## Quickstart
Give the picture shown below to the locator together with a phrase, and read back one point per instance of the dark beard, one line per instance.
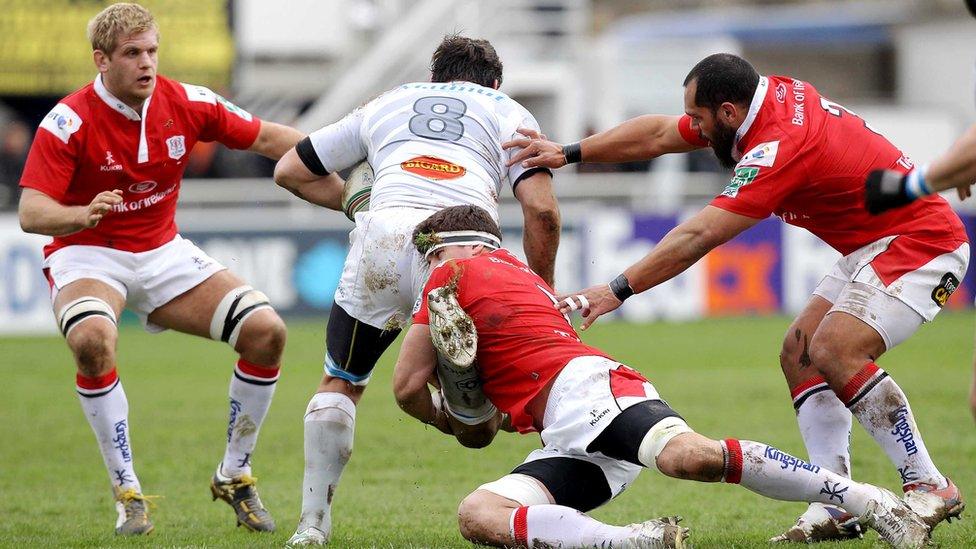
(722, 143)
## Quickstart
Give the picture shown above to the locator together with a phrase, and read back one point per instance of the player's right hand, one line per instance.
(100, 206)
(594, 301)
(884, 190)
(537, 151)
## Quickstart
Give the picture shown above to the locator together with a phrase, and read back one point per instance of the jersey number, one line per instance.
(837, 110)
(438, 118)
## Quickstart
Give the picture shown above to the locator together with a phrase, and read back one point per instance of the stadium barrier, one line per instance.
(769, 269)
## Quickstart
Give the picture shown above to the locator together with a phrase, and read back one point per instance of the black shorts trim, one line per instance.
(622, 438)
(572, 482)
(354, 347)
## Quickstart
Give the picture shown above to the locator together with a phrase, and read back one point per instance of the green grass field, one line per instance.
(403, 484)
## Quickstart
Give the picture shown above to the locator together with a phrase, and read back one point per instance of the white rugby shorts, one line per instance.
(898, 309)
(383, 273)
(147, 280)
(589, 393)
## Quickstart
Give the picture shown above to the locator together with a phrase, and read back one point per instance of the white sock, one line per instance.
(251, 389)
(556, 526)
(882, 409)
(107, 411)
(330, 420)
(778, 475)
(825, 425)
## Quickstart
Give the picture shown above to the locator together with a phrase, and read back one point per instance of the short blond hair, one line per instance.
(118, 21)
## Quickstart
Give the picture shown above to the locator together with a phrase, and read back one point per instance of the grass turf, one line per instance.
(403, 484)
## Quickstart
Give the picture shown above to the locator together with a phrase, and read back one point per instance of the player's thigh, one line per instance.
(582, 482)
(794, 357)
(353, 347)
(192, 311)
(850, 337)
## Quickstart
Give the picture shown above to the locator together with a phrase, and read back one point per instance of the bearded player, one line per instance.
(803, 158)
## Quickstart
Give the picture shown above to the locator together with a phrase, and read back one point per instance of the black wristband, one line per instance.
(620, 287)
(573, 153)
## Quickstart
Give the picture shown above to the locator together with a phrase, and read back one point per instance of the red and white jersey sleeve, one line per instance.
(221, 120)
(51, 161)
(523, 341)
(689, 134)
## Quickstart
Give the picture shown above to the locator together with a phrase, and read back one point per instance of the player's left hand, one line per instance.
(591, 302)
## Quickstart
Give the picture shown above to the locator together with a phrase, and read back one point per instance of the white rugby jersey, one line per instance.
(431, 145)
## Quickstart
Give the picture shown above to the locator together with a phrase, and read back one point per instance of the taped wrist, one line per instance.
(620, 287)
(915, 184)
(573, 153)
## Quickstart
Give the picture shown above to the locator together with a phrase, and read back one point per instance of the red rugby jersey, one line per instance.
(523, 341)
(804, 158)
(92, 142)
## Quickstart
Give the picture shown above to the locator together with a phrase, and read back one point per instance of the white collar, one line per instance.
(757, 101)
(117, 104)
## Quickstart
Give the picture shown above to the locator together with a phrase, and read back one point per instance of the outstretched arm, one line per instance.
(956, 168)
(540, 214)
(274, 140)
(639, 138)
(678, 250)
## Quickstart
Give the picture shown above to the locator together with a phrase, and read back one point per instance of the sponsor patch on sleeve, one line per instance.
(232, 108)
(740, 178)
(62, 121)
(200, 94)
(763, 154)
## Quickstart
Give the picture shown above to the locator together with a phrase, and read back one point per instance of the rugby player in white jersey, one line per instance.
(431, 145)
(102, 178)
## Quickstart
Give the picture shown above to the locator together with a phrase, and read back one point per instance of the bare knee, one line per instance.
(478, 514)
(330, 384)
(263, 338)
(93, 344)
(691, 456)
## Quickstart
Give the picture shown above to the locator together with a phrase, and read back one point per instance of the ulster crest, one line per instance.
(176, 146)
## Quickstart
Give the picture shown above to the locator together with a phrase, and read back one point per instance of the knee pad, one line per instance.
(658, 437)
(232, 310)
(520, 488)
(82, 309)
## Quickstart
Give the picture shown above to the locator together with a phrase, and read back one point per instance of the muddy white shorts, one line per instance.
(586, 397)
(894, 284)
(384, 273)
(147, 280)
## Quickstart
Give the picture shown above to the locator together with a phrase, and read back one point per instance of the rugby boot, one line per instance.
(308, 536)
(934, 505)
(895, 521)
(133, 509)
(822, 522)
(661, 533)
(241, 494)
(451, 329)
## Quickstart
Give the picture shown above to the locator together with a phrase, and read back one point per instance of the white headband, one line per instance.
(463, 238)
